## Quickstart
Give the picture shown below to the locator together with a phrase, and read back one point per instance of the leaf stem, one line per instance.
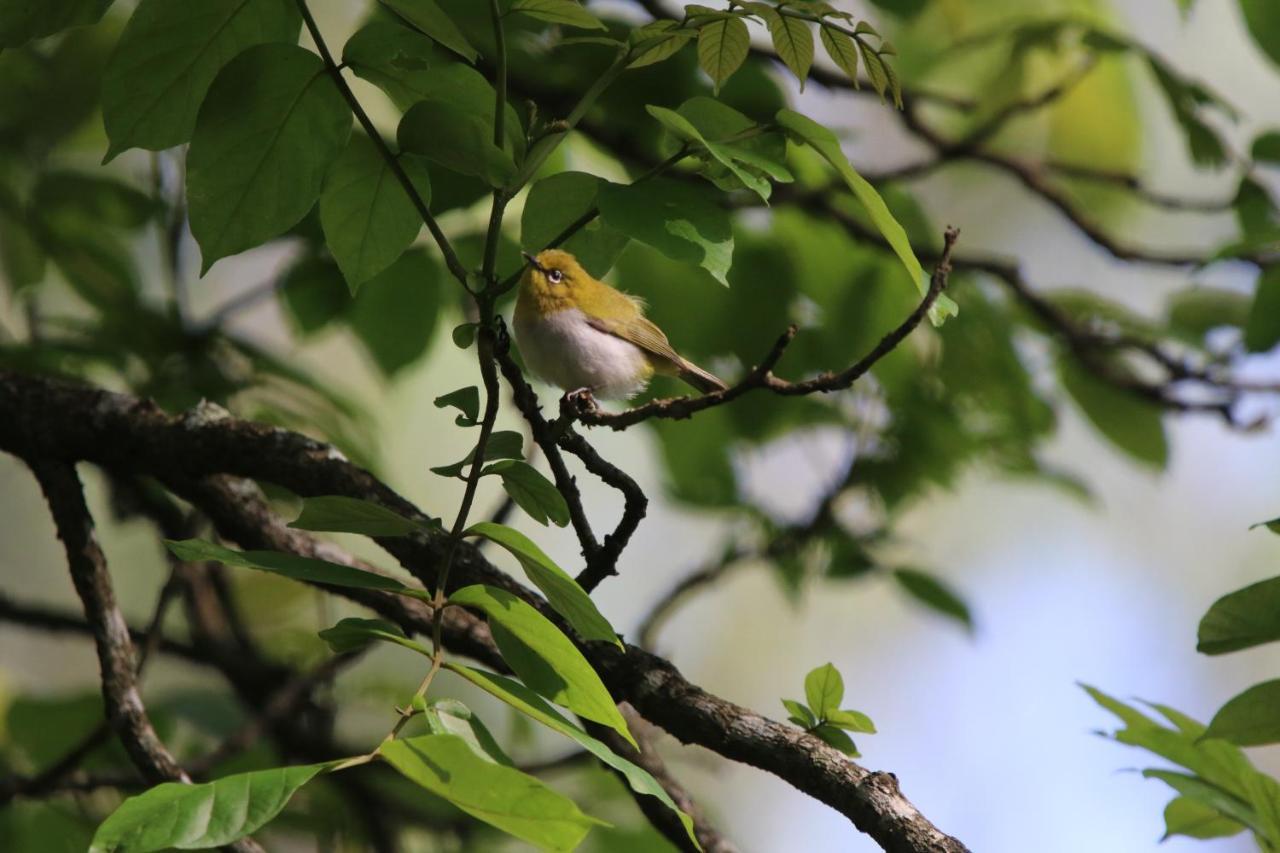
(446, 249)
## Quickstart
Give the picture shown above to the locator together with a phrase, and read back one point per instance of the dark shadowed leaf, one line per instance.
(268, 130)
(1132, 424)
(1263, 20)
(428, 17)
(930, 591)
(396, 311)
(833, 736)
(353, 634)
(555, 203)
(24, 20)
(566, 12)
(368, 218)
(168, 55)
(1262, 329)
(680, 221)
(502, 444)
(341, 514)
(290, 565)
(314, 294)
(531, 491)
(465, 400)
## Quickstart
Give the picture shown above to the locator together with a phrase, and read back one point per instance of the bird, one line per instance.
(585, 337)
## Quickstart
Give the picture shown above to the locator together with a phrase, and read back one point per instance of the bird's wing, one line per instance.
(642, 332)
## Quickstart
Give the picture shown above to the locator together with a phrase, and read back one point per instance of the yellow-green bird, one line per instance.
(581, 334)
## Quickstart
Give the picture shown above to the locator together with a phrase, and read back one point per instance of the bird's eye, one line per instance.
(555, 276)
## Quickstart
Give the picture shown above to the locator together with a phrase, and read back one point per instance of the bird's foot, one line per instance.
(576, 402)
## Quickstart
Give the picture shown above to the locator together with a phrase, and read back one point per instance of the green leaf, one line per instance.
(824, 142)
(514, 802)
(722, 48)
(841, 49)
(657, 41)
(101, 199)
(854, 721)
(724, 154)
(1263, 20)
(555, 203)
(1266, 147)
(793, 41)
(457, 137)
(429, 18)
(290, 565)
(833, 736)
(565, 12)
(527, 702)
(268, 130)
(1190, 817)
(353, 634)
(933, 593)
(824, 689)
(201, 816)
(314, 294)
(800, 713)
(368, 218)
(451, 717)
(1242, 619)
(502, 444)
(341, 514)
(544, 658)
(168, 55)
(1194, 312)
(562, 591)
(397, 59)
(1209, 795)
(531, 491)
(24, 20)
(1250, 719)
(395, 313)
(680, 221)
(1132, 424)
(466, 400)
(1262, 329)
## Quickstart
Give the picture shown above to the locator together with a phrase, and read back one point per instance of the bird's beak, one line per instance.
(531, 260)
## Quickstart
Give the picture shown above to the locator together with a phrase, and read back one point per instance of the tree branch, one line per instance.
(45, 416)
(88, 565)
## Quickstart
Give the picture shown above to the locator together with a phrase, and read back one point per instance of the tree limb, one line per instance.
(46, 416)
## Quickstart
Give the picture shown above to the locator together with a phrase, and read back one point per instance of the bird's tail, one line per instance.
(699, 378)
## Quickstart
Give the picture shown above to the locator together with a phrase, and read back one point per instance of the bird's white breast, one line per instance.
(567, 351)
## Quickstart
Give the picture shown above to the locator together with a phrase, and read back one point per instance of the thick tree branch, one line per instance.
(45, 416)
(88, 565)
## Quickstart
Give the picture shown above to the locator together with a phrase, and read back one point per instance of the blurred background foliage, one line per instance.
(101, 281)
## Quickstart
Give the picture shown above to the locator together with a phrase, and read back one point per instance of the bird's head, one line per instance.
(555, 273)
